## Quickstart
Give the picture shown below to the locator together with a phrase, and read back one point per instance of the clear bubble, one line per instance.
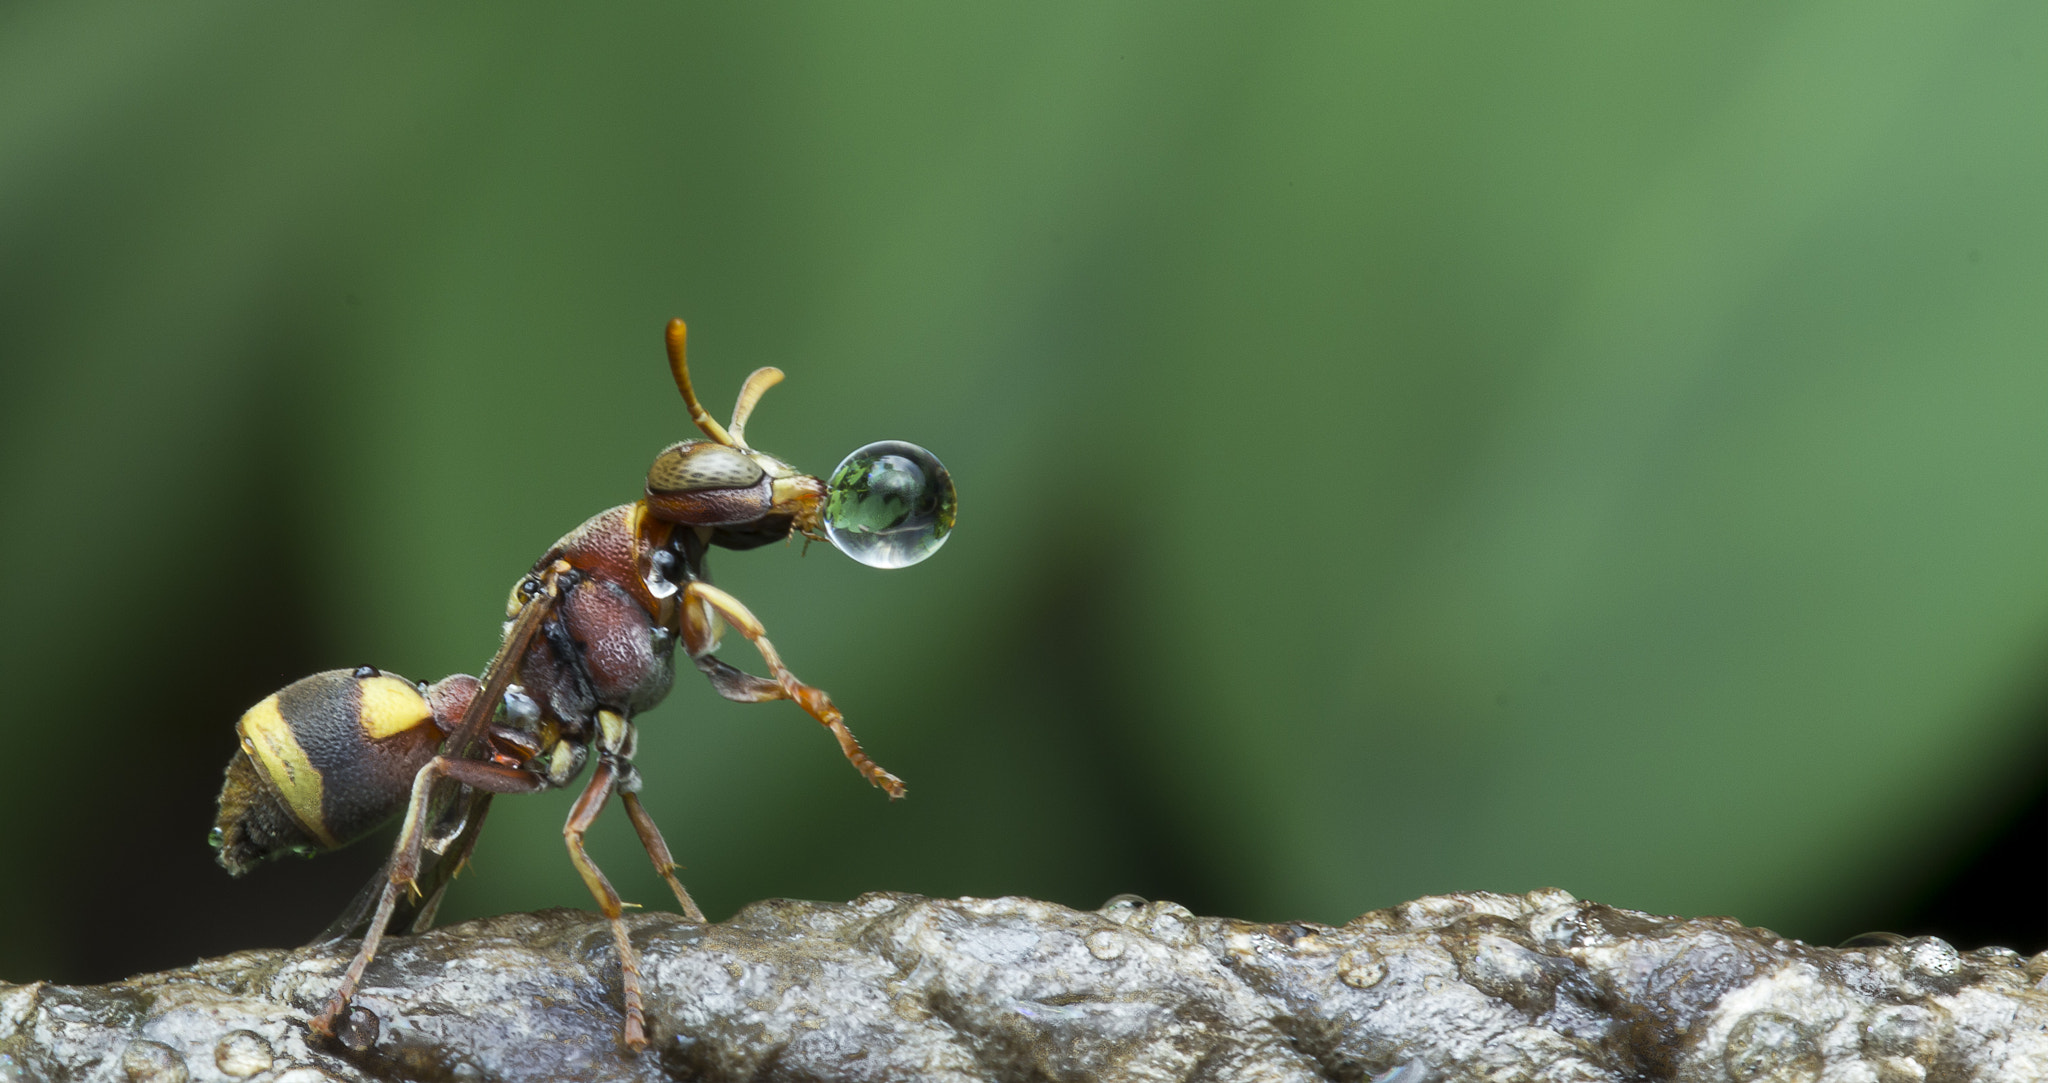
(216, 838)
(661, 568)
(889, 505)
(521, 709)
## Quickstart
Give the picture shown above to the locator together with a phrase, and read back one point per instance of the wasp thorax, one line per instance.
(323, 762)
(706, 484)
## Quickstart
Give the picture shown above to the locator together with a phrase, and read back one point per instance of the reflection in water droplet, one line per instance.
(889, 505)
(216, 838)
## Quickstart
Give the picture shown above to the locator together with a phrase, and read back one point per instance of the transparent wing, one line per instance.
(455, 813)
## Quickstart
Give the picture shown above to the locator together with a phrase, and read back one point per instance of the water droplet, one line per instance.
(1105, 944)
(889, 505)
(216, 838)
(660, 577)
(145, 1061)
(364, 673)
(520, 708)
(358, 1030)
(1927, 957)
(242, 1054)
(1171, 922)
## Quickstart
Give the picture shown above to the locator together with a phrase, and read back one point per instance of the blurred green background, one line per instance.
(1401, 450)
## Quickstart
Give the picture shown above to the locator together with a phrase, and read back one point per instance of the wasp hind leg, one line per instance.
(405, 863)
(657, 852)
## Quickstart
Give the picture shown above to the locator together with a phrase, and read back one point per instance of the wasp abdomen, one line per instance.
(323, 762)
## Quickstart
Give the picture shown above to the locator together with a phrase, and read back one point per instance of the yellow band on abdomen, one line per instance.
(269, 739)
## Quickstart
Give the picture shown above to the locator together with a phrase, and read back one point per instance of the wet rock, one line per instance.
(1542, 987)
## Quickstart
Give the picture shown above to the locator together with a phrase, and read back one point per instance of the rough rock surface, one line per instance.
(1540, 987)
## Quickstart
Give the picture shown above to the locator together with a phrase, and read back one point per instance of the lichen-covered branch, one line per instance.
(1540, 987)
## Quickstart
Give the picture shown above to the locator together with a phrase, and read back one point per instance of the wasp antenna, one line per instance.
(679, 366)
(757, 385)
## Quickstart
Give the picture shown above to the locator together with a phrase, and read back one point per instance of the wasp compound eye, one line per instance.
(889, 505)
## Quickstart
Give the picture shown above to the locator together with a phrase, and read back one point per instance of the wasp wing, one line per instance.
(414, 914)
(455, 813)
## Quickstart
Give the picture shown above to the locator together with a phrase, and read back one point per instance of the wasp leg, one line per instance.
(581, 816)
(814, 701)
(737, 684)
(657, 852)
(405, 862)
(423, 916)
(700, 638)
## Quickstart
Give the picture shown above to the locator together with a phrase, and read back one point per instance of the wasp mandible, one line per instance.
(589, 643)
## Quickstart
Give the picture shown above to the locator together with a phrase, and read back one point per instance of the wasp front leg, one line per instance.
(814, 701)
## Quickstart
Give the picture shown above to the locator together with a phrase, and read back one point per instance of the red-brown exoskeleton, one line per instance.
(590, 643)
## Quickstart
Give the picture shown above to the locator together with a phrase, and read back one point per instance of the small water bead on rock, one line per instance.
(889, 505)
(358, 1030)
(145, 1061)
(242, 1054)
(1932, 959)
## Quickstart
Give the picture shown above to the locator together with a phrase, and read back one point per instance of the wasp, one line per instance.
(590, 642)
